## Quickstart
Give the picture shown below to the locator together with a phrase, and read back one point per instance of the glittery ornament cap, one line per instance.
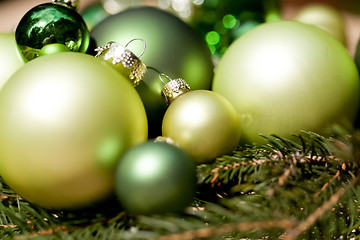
(118, 54)
(173, 89)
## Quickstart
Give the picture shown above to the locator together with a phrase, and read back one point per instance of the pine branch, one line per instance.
(228, 228)
(303, 188)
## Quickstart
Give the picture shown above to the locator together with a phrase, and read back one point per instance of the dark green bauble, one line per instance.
(155, 178)
(172, 47)
(51, 24)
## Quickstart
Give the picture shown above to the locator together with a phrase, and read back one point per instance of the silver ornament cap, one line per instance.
(122, 56)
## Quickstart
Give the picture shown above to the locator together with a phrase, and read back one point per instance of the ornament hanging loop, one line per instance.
(140, 39)
(163, 74)
(73, 4)
(121, 54)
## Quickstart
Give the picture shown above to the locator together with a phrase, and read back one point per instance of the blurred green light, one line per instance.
(229, 21)
(212, 38)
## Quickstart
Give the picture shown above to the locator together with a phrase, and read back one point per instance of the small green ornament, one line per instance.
(51, 23)
(155, 178)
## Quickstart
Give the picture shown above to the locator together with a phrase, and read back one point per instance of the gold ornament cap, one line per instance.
(73, 4)
(173, 89)
(122, 56)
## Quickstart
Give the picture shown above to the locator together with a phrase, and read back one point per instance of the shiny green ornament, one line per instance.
(173, 47)
(65, 120)
(155, 178)
(10, 59)
(51, 23)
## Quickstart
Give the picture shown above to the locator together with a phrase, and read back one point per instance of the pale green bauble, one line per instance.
(286, 76)
(10, 59)
(172, 47)
(203, 123)
(325, 17)
(65, 120)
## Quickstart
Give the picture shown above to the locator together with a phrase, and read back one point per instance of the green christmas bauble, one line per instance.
(203, 123)
(286, 76)
(155, 178)
(65, 120)
(51, 23)
(10, 60)
(172, 47)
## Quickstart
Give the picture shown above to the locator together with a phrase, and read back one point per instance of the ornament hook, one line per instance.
(121, 54)
(134, 39)
(163, 74)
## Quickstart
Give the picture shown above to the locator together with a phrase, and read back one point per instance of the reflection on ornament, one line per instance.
(118, 53)
(49, 24)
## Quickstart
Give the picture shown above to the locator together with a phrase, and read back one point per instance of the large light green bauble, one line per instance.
(65, 120)
(10, 60)
(172, 47)
(283, 77)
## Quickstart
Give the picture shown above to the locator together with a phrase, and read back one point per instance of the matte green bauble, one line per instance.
(203, 123)
(172, 47)
(155, 178)
(285, 76)
(65, 120)
(10, 60)
(50, 23)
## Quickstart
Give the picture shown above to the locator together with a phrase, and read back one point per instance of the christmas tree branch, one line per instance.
(228, 228)
(294, 233)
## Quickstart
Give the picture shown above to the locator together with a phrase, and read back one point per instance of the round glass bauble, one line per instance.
(50, 23)
(172, 47)
(286, 76)
(155, 178)
(10, 60)
(203, 123)
(65, 120)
